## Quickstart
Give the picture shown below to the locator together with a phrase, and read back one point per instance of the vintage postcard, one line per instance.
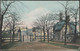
(36, 25)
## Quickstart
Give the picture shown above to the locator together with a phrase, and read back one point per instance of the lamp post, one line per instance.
(19, 34)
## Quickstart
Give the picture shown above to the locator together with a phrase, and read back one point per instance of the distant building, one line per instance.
(59, 30)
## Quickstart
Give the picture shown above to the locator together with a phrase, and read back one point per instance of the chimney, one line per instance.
(60, 15)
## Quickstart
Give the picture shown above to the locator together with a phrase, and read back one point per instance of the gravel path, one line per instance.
(37, 46)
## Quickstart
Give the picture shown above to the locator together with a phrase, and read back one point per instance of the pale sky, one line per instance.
(30, 10)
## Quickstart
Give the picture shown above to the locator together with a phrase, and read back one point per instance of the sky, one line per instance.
(30, 10)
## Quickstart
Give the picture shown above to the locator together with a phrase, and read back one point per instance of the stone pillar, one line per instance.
(19, 35)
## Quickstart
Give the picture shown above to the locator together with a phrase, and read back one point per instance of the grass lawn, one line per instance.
(7, 45)
(70, 42)
(62, 45)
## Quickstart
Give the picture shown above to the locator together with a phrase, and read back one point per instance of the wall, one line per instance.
(62, 33)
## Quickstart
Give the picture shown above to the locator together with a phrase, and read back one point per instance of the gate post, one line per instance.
(19, 34)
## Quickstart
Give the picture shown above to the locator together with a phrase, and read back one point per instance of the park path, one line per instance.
(36, 46)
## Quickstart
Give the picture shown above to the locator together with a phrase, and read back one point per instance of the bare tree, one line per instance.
(7, 24)
(69, 11)
(44, 22)
(10, 23)
(4, 10)
(14, 19)
(41, 23)
(66, 15)
(74, 14)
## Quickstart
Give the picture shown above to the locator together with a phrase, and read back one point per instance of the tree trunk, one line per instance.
(13, 33)
(75, 35)
(23, 38)
(53, 34)
(10, 36)
(44, 32)
(13, 36)
(65, 27)
(1, 20)
(1, 23)
(79, 15)
(35, 35)
(48, 35)
(30, 38)
(41, 35)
